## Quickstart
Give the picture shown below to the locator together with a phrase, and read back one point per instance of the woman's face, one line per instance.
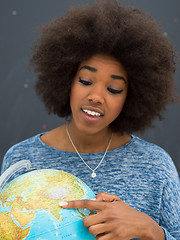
(98, 93)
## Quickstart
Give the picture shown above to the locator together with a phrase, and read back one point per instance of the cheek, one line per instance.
(76, 90)
(73, 95)
(118, 106)
(73, 90)
(76, 97)
(118, 109)
(72, 100)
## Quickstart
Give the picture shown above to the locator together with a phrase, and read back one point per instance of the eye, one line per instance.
(114, 91)
(85, 82)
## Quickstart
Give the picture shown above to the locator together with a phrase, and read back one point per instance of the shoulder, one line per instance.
(141, 146)
(155, 157)
(144, 158)
(20, 151)
(24, 145)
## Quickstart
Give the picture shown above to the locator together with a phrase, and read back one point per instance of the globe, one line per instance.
(29, 207)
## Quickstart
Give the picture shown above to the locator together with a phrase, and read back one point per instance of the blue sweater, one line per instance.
(142, 174)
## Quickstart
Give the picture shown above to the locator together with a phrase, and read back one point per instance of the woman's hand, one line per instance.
(115, 220)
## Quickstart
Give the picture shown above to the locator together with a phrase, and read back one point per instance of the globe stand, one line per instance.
(13, 169)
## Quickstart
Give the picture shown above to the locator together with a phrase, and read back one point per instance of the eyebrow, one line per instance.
(113, 76)
(118, 77)
(92, 69)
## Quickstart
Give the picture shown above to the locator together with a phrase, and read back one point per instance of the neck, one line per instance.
(89, 143)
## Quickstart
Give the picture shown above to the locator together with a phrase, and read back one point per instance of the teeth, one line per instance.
(92, 113)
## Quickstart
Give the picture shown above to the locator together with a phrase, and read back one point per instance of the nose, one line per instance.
(96, 96)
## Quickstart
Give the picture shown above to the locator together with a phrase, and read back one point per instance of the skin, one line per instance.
(102, 77)
(101, 85)
(115, 220)
(97, 84)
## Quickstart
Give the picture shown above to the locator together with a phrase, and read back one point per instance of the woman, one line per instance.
(110, 70)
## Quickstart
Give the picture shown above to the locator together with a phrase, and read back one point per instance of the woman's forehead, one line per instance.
(98, 62)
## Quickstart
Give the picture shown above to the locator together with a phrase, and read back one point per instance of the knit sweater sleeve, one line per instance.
(168, 235)
(170, 210)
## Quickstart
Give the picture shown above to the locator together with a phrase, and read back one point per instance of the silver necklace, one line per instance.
(93, 174)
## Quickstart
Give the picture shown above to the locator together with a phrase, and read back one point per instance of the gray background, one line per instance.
(22, 115)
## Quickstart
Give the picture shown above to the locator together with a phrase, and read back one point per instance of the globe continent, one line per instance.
(29, 207)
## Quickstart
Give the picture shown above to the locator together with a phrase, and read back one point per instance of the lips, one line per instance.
(94, 112)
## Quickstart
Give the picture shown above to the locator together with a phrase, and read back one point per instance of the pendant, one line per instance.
(93, 175)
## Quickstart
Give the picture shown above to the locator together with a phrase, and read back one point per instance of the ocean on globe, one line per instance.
(29, 207)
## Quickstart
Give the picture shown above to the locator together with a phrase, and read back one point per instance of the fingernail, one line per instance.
(93, 199)
(63, 204)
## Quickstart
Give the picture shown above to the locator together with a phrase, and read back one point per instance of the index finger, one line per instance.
(89, 204)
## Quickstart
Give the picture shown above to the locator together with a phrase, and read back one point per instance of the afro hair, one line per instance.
(128, 34)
